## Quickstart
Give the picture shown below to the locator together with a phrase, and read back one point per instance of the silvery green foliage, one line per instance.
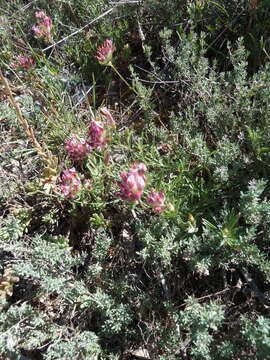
(257, 333)
(254, 207)
(81, 346)
(159, 243)
(93, 301)
(114, 315)
(101, 246)
(201, 323)
(24, 327)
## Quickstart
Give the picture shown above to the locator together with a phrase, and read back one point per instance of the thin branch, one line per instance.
(210, 295)
(81, 29)
(125, 2)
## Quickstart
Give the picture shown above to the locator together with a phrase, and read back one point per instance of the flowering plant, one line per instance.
(24, 62)
(157, 201)
(77, 148)
(44, 28)
(132, 183)
(98, 130)
(105, 52)
(97, 136)
(106, 114)
(70, 183)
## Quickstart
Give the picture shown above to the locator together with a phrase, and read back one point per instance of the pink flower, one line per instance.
(38, 32)
(40, 14)
(77, 148)
(97, 135)
(104, 112)
(47, 23)
(105, 52)
(44, 28)
(24, 62)
(157, 201)
(132, 183)
(70, 183)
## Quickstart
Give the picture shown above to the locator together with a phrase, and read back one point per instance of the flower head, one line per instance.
(47, 23)
(132, 183)
(70, 183)
(97, 135)
(24, 62)
(157, 201)
(44, 28)
(38, 31)
(40, 14)
(105, 52)
(77, 148)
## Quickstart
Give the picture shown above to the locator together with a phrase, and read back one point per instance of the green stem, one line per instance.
(123, 79)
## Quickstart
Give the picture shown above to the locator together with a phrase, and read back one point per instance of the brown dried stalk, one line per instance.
(26, 127)
(7, 280)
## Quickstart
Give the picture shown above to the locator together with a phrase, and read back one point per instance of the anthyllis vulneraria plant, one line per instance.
(23, 62)
(44, 28)
(104, 57)
(77, 148)
(106, 115)
(132, 183)
(105, 53)
(98, 136)
(71, 183)
(157, 201)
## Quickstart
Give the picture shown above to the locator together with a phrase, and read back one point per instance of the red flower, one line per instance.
(105, 52)
(77, 148)
(70, 183)
(132, 183)
(40, 14)
(157, 201)
(97, 136)
(44, 28)
(24, 62)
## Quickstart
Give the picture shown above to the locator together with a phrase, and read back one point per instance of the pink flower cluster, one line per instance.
(157, 201)
(77, 148)
(24, 62)
(105, 52)
(44, 28)
(132, 183)
(97, 138)
(70, 183)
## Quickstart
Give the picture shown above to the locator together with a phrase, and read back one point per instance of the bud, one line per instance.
(40, 14)
(96, 136)
(87, 184)
(104, 112)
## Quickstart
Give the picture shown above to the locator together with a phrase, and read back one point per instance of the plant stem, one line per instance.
(123, 79)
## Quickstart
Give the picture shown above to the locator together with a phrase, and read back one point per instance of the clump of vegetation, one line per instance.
(134, 192)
